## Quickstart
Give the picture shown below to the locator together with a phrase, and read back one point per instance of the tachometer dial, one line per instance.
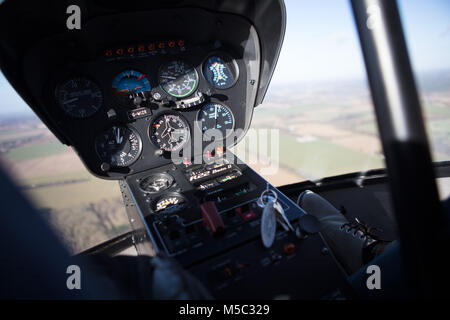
(216, 116)
(220, 71)
(132, 87)
(119, 146)
(79, 97)
(178, 79)
(169, 132)
(156, 182)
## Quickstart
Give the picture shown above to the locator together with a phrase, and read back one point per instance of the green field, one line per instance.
(35, 151)
(368, 127)
(62, 196)
(320, 158)
(8, 135)
(66, 176)
(434, 109)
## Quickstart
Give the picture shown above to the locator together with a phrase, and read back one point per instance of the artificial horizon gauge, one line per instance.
(119, 146)
(178, 79)
(132, 87)
(216, 116)
(169, 132)
(156, 182)
(79, 97)
(221, 71)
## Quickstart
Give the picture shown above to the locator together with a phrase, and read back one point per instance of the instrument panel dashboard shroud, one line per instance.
(78, 132)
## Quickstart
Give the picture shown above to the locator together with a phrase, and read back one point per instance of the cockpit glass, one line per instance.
(317, 119)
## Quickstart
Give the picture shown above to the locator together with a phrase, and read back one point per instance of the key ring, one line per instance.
(267, 194)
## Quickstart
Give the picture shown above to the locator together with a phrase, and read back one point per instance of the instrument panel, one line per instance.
(135, 104)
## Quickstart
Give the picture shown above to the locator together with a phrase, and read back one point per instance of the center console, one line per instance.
(208, 217)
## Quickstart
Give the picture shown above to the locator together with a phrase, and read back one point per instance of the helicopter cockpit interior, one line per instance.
(154, 94)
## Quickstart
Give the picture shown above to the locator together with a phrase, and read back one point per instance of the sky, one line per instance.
(321, 43)
(321, 40)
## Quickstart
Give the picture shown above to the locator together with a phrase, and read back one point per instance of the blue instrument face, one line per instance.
(220, 74)
(130, 84)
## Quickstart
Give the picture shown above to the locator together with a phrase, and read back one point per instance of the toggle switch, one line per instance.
(212, 218)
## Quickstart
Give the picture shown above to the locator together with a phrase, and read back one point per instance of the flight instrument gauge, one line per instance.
(169, 132)
(216, 116)
(178, 79)
(79, 97)
(119, 146)
(156, 182)
(169, 203)
(220, 71)
(132, 87)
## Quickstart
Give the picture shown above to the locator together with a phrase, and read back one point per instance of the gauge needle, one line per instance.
(215, 116)
(168, 77)
(166, 129)
(70, 101)
(118, 137)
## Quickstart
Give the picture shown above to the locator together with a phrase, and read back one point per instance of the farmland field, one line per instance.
(83, 209)
(35, 151)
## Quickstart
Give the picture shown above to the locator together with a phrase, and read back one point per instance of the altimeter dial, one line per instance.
(119, 146)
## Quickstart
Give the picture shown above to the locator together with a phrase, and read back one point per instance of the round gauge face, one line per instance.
(156, 183)
(119, 146)
(131, 86)
(169, 132)
(178, 79)
(220, 71)
(79, 97)
(216, 116)
(169, 203)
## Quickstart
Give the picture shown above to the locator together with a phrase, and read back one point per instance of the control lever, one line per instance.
(212, 218)
(307, 224)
